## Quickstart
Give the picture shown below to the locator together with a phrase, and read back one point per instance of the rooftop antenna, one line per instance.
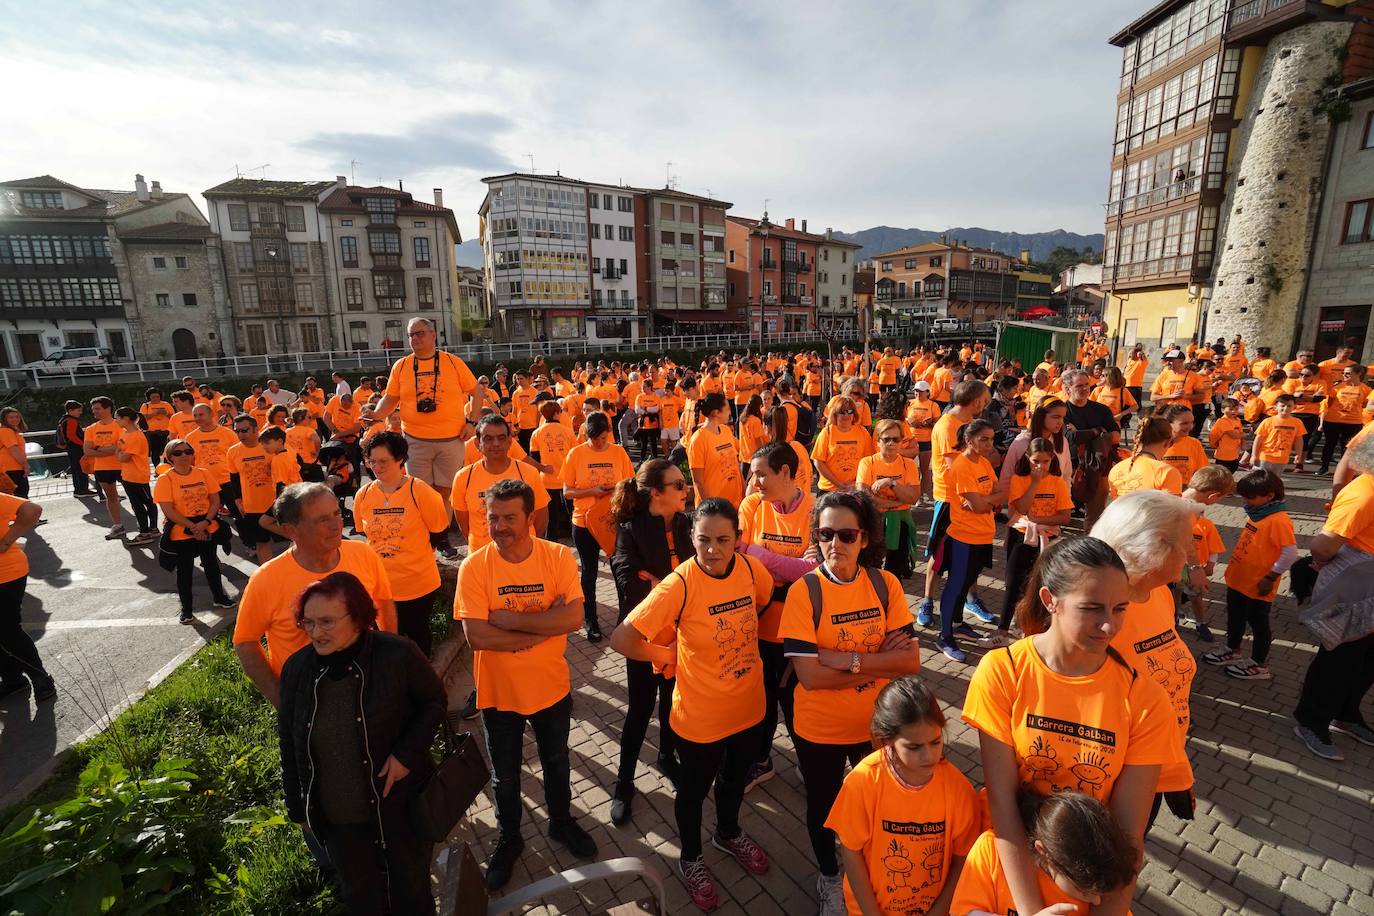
(765, 207)
(257, 168)
(530, 157)
(668, 180)
(353, 171)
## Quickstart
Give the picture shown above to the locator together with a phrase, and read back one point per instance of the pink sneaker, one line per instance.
(700, 887)
(746, 852)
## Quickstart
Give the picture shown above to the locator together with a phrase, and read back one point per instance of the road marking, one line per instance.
(102, 624)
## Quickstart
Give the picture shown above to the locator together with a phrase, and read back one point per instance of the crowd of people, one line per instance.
(762, 516)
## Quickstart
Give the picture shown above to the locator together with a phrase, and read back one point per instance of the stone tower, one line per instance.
(1273, 194)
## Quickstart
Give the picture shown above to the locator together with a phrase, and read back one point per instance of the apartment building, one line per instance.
(685, 267)
(469, 313)
(835, 300)
(390, 258)
(615, 215)
(136, 271)
(276, 264)
(946, 279)
(772, 271)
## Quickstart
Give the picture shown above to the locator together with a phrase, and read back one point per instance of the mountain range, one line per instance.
(887, 238)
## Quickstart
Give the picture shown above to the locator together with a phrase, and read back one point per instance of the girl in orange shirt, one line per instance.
(1147, 469)
(894, 481)
(751, 433)
(1185, 453)
(1226, 435)
(1116, 396)
(1342, 412)
(974, 496)
(590, 472)
(134, 474)
(13, 459)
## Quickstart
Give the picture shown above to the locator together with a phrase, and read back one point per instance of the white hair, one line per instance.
(1146, 528)
(1362, 455)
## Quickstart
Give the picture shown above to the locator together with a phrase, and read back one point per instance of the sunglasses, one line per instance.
(675, 484)
(845, 413)
(846, 535)
(889, 438)
(180, 452)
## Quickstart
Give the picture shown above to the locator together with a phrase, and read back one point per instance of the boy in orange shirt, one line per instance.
(1278, 437)
(1226, 435)
(1266, 549)
(1208, 486)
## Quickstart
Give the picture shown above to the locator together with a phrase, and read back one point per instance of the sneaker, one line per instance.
(925, 613)
(225, 601)
(448, 551)
(115, 533)
(469, 710)
(759, 773)
(1315, 744)
(951, 651)
(974, 606)
(830, 895)
(700, 887)
(503, 859)
(1248, 671)
(1222, 657)
(966, 631)
(621, 806)
(144, 537)
(746, 852)
(996, 639)
(1357, 730)
(187, 618)
(573, 838)
(593, 631)
(1204, 632)
(44, 689)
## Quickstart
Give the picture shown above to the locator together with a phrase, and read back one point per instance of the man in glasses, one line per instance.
(250, 480)
(468, 489)
(1093, 434)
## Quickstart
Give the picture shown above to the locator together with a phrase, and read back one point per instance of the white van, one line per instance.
(946, 325)
(73, 359)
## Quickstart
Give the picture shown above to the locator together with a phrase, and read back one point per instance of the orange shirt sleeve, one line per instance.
(1352, 514)
(987, 705)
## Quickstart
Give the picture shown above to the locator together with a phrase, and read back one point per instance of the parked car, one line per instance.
(946, 325)
(73, 359)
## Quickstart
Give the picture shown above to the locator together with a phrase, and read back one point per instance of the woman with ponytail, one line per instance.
(777, 432)
(653, 536)
(1147, 469)
(1061, 711)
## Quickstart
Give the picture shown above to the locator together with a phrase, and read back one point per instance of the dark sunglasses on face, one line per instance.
(889, 438)
(675, 484)
(846, 535)
(845, 413)
(181, 451)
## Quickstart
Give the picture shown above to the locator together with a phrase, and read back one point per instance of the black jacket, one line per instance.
(402, 703)
(642, 544)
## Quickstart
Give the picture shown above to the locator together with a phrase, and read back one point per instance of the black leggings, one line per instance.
(412, 620)
(1242, 610)
(822, 768)
(588, 556)
(1336, 683)
(18, 654)
(1309, 437)
(1020, 558)
(1336, 436)
(21, 483)
(898, 561)
(187, 553)
(141, 499)
(560, 519)
(1182, 804)
(724, 763)
(775, 696)
(646, 690)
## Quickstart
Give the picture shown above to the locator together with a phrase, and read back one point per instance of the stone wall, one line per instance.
(1275, 177)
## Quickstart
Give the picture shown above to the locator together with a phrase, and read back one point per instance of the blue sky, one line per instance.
(993, 113)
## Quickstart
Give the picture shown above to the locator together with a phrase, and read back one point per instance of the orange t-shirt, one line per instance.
(157, 415)
(1263, 368)
(584, 467)
(983, 886)
(102, 435)
(1255, 553)
(917, 411)
(189, 494)
(1149, 640)
(806, 471)
(286, 468)
(1186, 456)
(852, 620)
(944, 439)
(971, 475)
(398, 526)
(1051, 497)
(907, 836)
(941, 380)
(1070, 734)
(411, 381)
(9, 438)
(1207, 541)
(1345, 403)
(303, 440)
(13, 561)
(535, 678)
(1352, 514)
(267, 606)
(717, 457)
(841, 452)
(1117, 400)
(134, 444)
(180, 423)
(902, 470)
(1172, 387)
(746, 386)
(1276, 438)
(212, 451)
(787, 534)
(887, 370)
(254, 469)
(719, 687)
(752, 437)
(1225, 437)
(1135, 372)
(1144, 472)
(470, 490)
(552, 442)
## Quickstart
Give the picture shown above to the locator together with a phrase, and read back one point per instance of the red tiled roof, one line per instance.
(167, 232)
(347, 200)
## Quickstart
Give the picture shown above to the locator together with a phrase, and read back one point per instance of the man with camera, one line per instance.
(432, 389)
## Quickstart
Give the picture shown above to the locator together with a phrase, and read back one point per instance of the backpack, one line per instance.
(806, 423)
(62, 440)
(813, 593)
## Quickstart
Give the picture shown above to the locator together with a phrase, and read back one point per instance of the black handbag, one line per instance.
(452, 788)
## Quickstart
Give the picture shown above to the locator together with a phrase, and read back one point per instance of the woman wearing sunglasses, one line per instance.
(840, 445)
(894, 481)
(701, 621)
(189, 500)
(847, 629)
(974, 495)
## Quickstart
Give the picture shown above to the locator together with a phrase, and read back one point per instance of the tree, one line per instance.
(1063, 257)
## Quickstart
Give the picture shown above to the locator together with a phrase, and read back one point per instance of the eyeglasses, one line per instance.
(675, 484)
(889, 439)
(180, 452)
(846, 535)
(323, 624)
(845, 413)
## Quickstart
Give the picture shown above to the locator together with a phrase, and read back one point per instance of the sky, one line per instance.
(957, 113)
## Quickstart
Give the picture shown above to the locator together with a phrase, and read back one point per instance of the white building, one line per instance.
(613, 215)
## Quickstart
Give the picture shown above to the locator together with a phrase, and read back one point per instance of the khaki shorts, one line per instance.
(435, 461)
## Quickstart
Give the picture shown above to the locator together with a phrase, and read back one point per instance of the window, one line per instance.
(41, 200)
(605, 201)
(357, 335)
(305, 297)
(937, 261)
(188, 300)
(687, 240)
(310, 337)
(238, 217)
(384, 243)
(686, 214)
(248, 297)
(730, 256)
(268, 215)
(596, 230)
(623, 267)
(1368, 141)
(768, 287)
(295, 219)
(844, 302)
(732, 290)
(825, 254)
(182, 263)
(389, 290)
(687, 295)
(910, 264)
(625, 204)
(825, 302)
(887, 267)
(667, 239)
(687, 268)
(596, 265)
(667, 295)
(300, 258)
(353, 294)
(610, 232)
(381, 210)
(842, 279)
(345, 222)
(1357, 222)
(421, 252)
(348, 250)
(165, 300)
(627, 233)
(424, 292)
(667, 212)
(592, 201)
(159, 263)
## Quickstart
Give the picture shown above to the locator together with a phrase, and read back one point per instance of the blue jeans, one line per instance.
(505, 748)
(963, 568)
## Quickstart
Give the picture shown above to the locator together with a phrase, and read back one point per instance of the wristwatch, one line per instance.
(854, 663)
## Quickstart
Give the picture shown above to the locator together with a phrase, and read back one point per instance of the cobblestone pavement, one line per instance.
(1277, 830)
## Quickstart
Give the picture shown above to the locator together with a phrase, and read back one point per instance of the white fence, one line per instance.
(355, 361)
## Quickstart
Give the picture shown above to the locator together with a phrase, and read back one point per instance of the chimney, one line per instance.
(803, 225)
(791, 223)
(140, 188)
(400, 184)
(340, 182)
(157, 190)
(438, 197)
(1025, 255)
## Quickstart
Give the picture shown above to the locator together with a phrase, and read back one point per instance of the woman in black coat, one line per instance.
(654, 536)
(359, 711)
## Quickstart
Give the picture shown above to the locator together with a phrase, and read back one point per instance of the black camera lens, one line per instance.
(425, 405)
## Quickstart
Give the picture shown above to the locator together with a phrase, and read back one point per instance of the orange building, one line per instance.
(946, 280)
(770, 271)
